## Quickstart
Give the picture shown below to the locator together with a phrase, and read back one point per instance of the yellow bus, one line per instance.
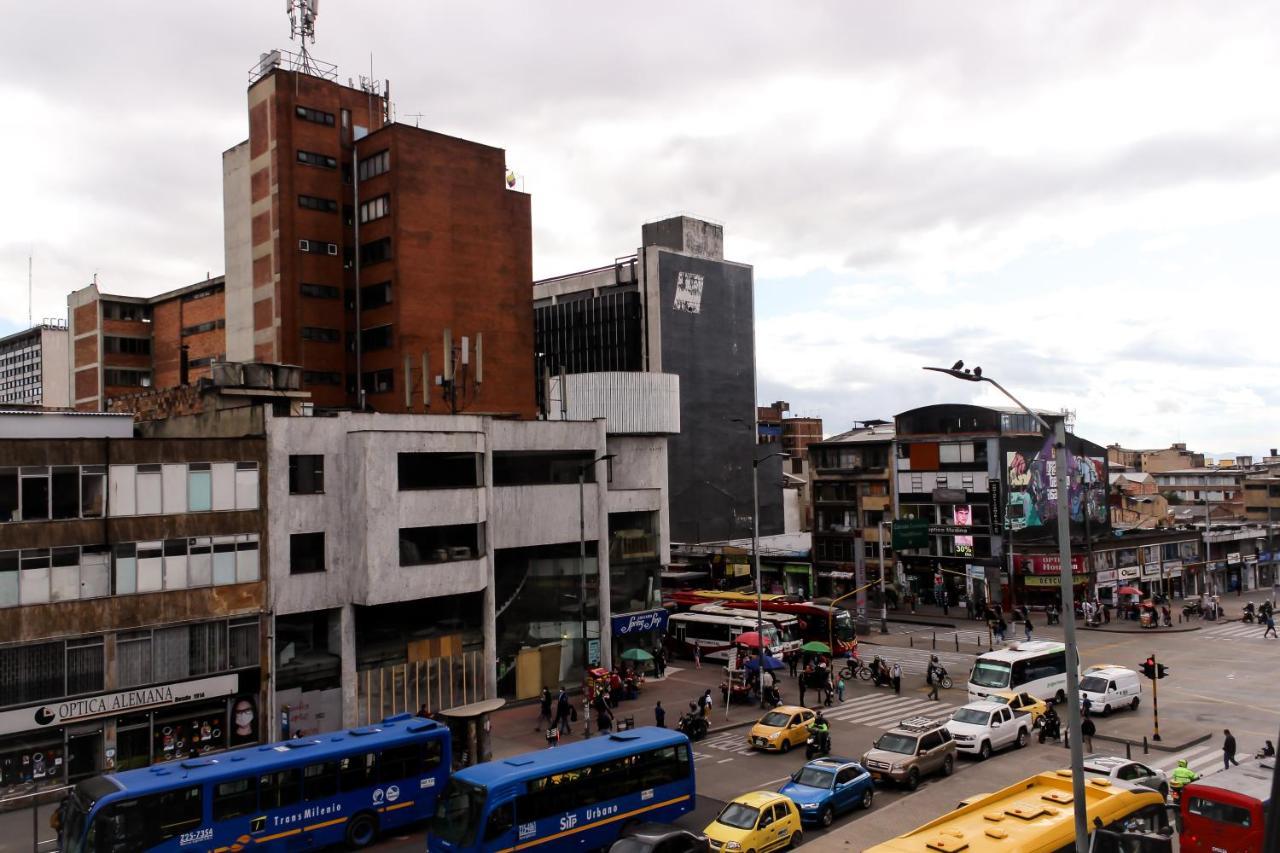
(1036, 816)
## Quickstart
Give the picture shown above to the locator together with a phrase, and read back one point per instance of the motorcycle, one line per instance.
(1192, 608)
(1050, 729)
(818, 743)
(944, 680)
(1248, 615)
(692, 725)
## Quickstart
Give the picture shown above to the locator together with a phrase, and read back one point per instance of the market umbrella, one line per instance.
(1128, 590)
(816, 647)
(750, 639)
(636, 654)
(770, 663)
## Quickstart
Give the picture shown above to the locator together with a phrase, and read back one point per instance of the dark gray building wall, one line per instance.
(706, 339)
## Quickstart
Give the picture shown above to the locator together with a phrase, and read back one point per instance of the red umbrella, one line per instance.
(750, 639)
(1128, 590)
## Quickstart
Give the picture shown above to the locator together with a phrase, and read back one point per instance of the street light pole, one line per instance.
(1066, 579)
(884, 603)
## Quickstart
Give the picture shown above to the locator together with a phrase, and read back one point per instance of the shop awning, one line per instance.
(797, 569)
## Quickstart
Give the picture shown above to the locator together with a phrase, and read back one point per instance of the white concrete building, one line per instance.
(33, 366)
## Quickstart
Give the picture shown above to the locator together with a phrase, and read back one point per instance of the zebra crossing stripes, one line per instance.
(1205, 760)
(878, 711)
(916, 661)
(1235, 631)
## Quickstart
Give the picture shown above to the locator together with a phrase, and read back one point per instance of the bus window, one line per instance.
(234, 798)
(987, 673)
(279, 789)
(500, 821)
(320, 781)
(458, 813)
(402, 762)
(1221, 812)
(146, 821)
(358, 771)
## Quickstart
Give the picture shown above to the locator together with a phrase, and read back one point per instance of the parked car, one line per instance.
(659, 838)
(981, 728)
(911, 750)
(1127, 770)
(828, 786)
(761, 821)
(1022, 702)
(780, 729)
(1110, 688)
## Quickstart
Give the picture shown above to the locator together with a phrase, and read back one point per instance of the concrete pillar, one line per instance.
(350, 691)
(489, 614)
(602, 552)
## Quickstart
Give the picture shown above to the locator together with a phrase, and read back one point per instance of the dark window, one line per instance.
(358, 771)
(375, 164)
(127, 378)
(8, 494)
(605, 780)
(126, 311)
(315, 333)
(282, 788)
(148, 821)
(375, 296)
(306, 474)
(188, 331)
(318, 247)
(1220, 812)
(375, 252)
(235, 798)
(539, 468)
(501, 819)
(439, 544)
(202, 294)
(320, 781)
(319, 377)
(318, 116)
(127, 346)
(376, 338)
(375, 208)
(379, 381)
(320, 291)
(406, 762)
(324, 205)
(306, 553)
(313, 159)
(35, 497)
(66, 492)
(438, 470)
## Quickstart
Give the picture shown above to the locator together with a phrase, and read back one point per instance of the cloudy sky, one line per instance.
(1082, 198)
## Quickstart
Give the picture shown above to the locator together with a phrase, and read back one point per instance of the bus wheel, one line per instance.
(1059, 698)
(362, 831)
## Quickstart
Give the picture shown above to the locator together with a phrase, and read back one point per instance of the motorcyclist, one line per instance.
(820, 729)
(1051, 725)
(877, 670)
(1181, 775)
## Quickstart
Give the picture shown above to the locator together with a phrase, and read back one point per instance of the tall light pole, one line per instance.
(884, 603)
(755, 554)
(582, 559)
(1066, 578)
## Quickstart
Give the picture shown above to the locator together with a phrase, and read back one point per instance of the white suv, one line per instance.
(1127, 770)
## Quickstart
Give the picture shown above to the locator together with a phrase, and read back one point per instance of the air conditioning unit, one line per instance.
(440, 554)
(304, 245)
(460, 552)
(333, 249)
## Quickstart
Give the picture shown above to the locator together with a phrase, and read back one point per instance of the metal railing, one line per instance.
(290, 61)
(24, 820)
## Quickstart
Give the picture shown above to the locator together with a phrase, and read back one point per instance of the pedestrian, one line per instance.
(1228, 749)
(793, 661)
(897, 678)
(707, 703)
(563, 711)
(544, 709)
(659, 715)
(1087, 731)
(604, 721)
(1271, 626)
(945, 602)
(697, 657)
(1026, 624)
(1106, 612)
(1086, 705)
(660, 661)
(1001, 628)
(802, 685)
(932, 679)
(424, 713)
(840, 689)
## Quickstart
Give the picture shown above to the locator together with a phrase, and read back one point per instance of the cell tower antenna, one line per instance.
(302, 27)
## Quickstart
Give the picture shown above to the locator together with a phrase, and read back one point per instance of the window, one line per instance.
(438, 470)
(439, 544)
(500, 822)
(375, 164)
(318, 116)
(311, 158)
(306, 474)
(242, 642)
(188, 331)
(375, 208)
(35, 493)
(92, 491)
(320, 291)
(1220, 812)
(133, 658)
(375, 252)
(321, 335)
(379, 381)
(66, 492)
(126, 346)
(317, 247)
(375, 296)
(279, 789)
(376, 338)
(126, 311)
(320, 377)
(235, 798)
(541, 468)
(358, 771)
(126, 378)
(311, 202)
(320, 781)
(406, 762)
(306, 553)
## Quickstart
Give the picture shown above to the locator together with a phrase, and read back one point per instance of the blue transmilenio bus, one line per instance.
(567, 798)
(303, 793)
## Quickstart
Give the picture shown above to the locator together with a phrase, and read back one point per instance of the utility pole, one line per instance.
(1155, 697)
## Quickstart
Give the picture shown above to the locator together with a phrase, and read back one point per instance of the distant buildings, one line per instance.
(33, 367)
(1170, 458)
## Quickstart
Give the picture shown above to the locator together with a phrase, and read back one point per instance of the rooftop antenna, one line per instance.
(415, 117)
(302, 26)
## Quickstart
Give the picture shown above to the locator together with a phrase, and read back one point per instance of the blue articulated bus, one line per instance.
(572, 797)
(295, 794)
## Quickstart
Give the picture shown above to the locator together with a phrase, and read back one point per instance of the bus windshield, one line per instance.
(76, 808)
(844, 625)
(458, 812)
(988, 673)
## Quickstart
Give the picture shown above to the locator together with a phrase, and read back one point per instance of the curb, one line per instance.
(1144, 631)
(1163, 747)
(726, 727)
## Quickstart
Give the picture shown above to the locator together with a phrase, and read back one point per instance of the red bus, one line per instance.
(1227, 811)
(815, 619)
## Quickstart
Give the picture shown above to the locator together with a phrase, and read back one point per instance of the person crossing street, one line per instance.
(1228, 749)
(933, 677)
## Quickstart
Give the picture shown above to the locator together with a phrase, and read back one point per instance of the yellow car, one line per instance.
(755, 823)
(780, 729)
(1022, 702)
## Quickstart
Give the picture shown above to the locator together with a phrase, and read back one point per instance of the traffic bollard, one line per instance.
(1145, 748)
(957, 636)
(935, 641)
(1128, 753)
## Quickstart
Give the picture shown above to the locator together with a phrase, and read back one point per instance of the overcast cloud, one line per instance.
(1082, 198)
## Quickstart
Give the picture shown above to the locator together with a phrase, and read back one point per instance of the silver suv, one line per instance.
(913, 749)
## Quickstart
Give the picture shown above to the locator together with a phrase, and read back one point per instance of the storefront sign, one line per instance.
(1050, 580)
(910, 533)
(1172, 568)
(1233, 558)
(639, 622)
(1046, 564)
(1108, 576)
(997, 507)
(978, 572)
(124, 702)
(953, 530)
(1151, 570)
(1128, 572)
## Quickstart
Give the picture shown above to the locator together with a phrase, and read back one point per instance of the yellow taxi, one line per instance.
(1022, 702)
(780, 729)
(757, 822)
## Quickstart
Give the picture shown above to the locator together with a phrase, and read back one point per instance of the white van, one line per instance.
(1110, 688)
(1038, 667)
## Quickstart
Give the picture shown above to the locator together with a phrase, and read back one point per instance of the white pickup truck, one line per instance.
(980, 728)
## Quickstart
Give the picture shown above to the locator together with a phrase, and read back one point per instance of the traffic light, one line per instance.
(1161, 670)
(1153, 670)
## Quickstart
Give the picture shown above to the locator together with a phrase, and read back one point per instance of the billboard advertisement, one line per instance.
(1031, 475)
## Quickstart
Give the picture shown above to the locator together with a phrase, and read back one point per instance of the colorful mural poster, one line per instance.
(1033, 491)
(963, 516)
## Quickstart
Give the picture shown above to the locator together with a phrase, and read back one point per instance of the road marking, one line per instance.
(723, 760)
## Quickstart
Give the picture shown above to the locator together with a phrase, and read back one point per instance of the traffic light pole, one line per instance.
(1155, 696)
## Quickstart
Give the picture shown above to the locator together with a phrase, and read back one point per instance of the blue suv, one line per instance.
(829, 785)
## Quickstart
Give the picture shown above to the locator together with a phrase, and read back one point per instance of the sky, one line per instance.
(1084, 199)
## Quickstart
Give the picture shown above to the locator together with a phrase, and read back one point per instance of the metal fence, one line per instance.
(24, 821)
(437, 683)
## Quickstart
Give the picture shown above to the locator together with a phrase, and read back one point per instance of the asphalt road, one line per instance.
(1221, 676)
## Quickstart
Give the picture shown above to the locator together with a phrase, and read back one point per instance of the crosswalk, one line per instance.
(916, 661)
(1238, 631)
(1205, 759)
(886, 710)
